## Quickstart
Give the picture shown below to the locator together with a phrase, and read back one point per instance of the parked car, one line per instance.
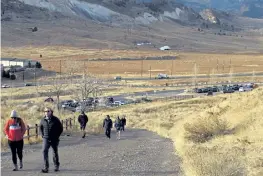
(245, 89)
(210, 93)
(215, 89)
(28, 84)
(5, 86)
(117, 77)
(228, 90)
(162, 76)
(199, 91)
(118, 103)
(110, 100)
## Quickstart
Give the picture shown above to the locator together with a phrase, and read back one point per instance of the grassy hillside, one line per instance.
(213, 135)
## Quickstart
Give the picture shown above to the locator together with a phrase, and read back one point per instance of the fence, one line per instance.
(66, 123)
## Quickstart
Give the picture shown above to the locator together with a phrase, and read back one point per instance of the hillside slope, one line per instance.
(107, 24)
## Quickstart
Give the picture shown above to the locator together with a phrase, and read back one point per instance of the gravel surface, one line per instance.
(138, 152)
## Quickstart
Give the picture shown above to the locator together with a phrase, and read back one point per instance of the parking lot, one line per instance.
(209, 91)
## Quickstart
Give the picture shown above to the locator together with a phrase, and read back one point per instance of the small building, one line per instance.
(7, 62)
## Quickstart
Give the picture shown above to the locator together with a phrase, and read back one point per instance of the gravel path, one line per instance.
(139, 152)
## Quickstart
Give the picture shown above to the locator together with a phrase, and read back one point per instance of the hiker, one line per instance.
(123, 120)
(83, 120)
(118, 125)
(51, 129)
(14, 130)
(107, 125)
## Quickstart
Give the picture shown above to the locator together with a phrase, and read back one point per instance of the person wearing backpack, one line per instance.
(118, 126)
(83, 120)
(15, 129)
(107, 125)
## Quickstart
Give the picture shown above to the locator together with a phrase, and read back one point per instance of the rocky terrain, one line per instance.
(123, 23)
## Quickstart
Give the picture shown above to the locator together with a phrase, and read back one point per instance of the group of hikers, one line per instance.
(119, 125)
(51, 129)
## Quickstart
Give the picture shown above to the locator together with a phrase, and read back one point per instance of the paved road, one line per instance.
(139, 152)
(20, 83)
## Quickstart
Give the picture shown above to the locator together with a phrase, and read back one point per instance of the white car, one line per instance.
(244, 89)
(118, 103)
(5, 86)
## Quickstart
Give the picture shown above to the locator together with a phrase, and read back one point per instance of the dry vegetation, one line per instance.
(61, 52)
(214, 135)
(182, 65)
(218, 135)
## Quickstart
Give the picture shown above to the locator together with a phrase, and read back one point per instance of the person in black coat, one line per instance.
(83, 120)
(123, 123)
(50, 129)
(107, 125)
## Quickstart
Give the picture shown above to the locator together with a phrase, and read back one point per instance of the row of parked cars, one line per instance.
(226, 88)
(89, 102)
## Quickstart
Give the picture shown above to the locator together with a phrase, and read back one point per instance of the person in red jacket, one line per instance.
(15, 130)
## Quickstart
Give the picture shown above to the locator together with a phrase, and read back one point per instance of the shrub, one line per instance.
(202, 161)
(203, 129)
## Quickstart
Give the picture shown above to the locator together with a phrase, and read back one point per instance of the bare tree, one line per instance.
(55, 86)
(230, 75)
(87, 87)
(195, 70)
(212, 77)
(72, 68)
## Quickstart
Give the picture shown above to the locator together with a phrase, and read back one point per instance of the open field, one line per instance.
(211, 134)
(183, 64)
(73, 53)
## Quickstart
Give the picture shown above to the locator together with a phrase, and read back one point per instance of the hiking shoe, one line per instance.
(44, 170)
(56, 169)
(20, 165)
(16, 168)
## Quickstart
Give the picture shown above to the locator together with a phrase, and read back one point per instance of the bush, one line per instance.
(205, 128)
(202, 161)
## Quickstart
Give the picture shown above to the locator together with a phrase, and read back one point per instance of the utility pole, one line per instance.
(172, 67)
(141, 67)
(217, 65)
(60, 67)
(150, 72)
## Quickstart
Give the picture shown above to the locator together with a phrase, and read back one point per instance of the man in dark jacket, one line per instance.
(107, 125)
(83, 120)
(123, 122)
(51, 129)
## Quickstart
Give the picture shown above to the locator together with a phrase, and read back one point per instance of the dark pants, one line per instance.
(16, 149)
(54, 146)
(107, 132)
(82, 127)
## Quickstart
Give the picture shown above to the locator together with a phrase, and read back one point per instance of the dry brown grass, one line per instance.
(235, 147)
(61, 52)
(182, 65)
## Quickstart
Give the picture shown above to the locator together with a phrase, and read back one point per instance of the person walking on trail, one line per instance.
(118, 126)
(14, 130)
(107, 125)
(123, 120)
(51, 129)
(83, 120)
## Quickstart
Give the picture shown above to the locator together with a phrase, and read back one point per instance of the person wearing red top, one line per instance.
(15, 130)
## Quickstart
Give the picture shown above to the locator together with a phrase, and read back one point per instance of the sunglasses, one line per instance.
(47, 111)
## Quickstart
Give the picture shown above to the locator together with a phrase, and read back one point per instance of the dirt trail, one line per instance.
(139, 152)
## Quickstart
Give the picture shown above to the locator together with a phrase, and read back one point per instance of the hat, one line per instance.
(13, 114)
